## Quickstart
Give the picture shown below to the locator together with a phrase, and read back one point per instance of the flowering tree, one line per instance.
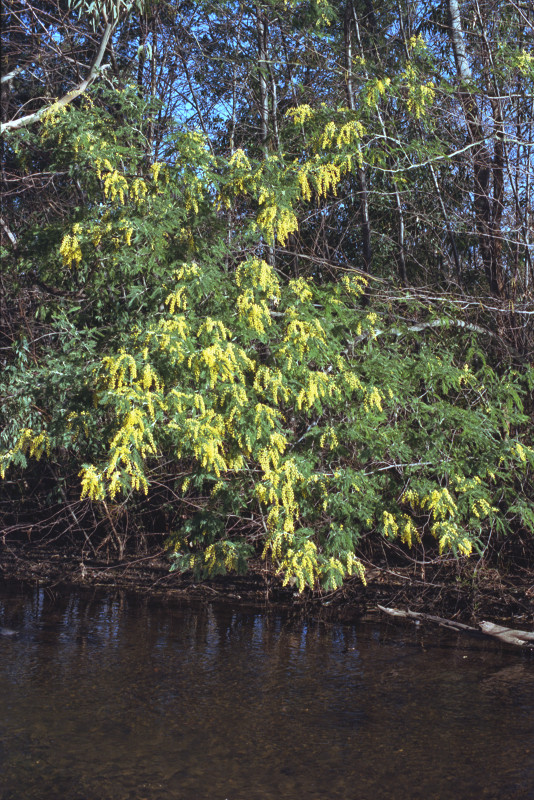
(203, 360)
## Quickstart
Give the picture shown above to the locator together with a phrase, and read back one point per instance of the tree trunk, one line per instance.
(490, 248)
(261, 30)
(362, 177)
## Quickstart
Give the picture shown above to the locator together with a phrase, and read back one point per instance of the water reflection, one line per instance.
(109, 697)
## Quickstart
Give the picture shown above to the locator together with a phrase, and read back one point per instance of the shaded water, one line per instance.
(113, 698)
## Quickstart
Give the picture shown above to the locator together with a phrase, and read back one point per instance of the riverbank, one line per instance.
(466, 590)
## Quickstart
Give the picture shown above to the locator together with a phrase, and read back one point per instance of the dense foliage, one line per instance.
(265, 330)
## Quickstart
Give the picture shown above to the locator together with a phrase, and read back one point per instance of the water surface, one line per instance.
(113, 698)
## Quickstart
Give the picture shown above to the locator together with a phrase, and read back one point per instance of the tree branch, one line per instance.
(29, 119)
(10, 75)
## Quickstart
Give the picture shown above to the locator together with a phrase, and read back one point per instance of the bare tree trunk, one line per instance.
(143, 33)
(274, 108)
(400, 252)
(490, 252)
(450, 232)
(262, 32)
(362, 177)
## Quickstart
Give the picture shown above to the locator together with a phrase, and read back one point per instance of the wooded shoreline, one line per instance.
(462, 592)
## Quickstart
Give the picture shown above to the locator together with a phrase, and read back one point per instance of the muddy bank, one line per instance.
(466, 590)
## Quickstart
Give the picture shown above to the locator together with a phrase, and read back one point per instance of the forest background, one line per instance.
(267, 280)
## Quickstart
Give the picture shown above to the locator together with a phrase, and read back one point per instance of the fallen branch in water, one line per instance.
(507, 635)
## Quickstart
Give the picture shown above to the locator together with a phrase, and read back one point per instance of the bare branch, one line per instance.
(10, 75)
(29, 119)
(8, 232)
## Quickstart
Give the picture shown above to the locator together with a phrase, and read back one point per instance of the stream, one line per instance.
(113, 697)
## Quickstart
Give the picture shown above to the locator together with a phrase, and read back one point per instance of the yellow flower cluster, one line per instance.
(301, 564)
(268, 459)
(126, 227)
(222, 552)
(373, 399)
(464, 484)
(255, 315)
(323, 17)
(278, 490)
(390, 525)
(481, 508)
(301, 333)
(130, 445)
(34, 444)
(354, 284)
(115, 185)
(271, 383)
(408, 530)
(291, 476)
(187, 272)
(276, 222)
(354, 565)
(329, 439)
(300, 114)
(327, 178)
(301, 288)
(525, 62)
(156, 168)
(402, 526)
(349, 379)
(50, 118)
(318, 384)
(99, 230)
(132, 436)
(138, 190)
(224, 361)
(411, 498)
(375, 89)
(274, 543)
(215, 329)
(328, 135)
(304, 183)
(205, 434)
(239, 160)
(521, 452)
(440, 503)
(420, 95)
(92, 484)
(417, 42)
(349, 133)
(168, 334)
(194, 193)
(70, 250)
(265, 417)
(177, 300)
(257, 274)
(118, 368)
(150, 379)
(242, 177)
(450, 536)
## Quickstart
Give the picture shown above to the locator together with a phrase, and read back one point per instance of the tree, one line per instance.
(200, 341)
